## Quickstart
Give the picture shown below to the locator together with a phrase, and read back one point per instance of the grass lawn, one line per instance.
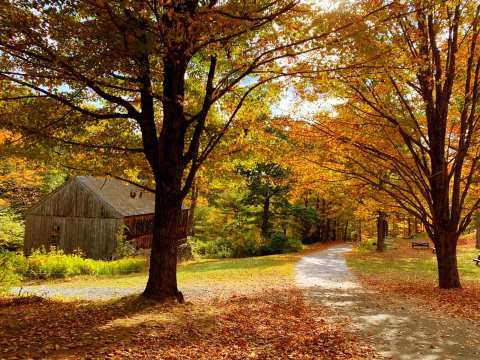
(412, 274)
(402, 261)
(198, 279)
(279, 267)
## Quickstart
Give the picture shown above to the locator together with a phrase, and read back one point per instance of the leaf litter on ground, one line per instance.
(275, 324)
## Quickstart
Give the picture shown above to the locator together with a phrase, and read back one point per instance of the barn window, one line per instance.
(55, 235)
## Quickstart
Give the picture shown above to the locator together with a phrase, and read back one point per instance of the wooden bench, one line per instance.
(477, 260)
(420, 244)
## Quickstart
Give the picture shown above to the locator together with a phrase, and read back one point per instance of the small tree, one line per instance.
(267, 185)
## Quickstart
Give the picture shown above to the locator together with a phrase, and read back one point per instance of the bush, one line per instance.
(11, 230)
(9, 262)
(218, 248)
(366, 245)
(246, 245)
(280, 244)
(123, 247)
(56, 264)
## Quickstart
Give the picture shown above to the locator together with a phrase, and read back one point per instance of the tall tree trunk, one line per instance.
(446, 251)
(266, 218)
(162, 279)
(380, 231)
(165, 156)
(333, 236)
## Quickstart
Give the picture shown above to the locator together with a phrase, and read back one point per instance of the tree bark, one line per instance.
(327, 230)
(162, 279)
(165, 156)
(380, 231)
(446, 251)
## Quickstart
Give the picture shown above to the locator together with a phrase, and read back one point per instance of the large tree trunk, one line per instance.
(381, 231)
(165, 156)
(446, 250)
(162, 279)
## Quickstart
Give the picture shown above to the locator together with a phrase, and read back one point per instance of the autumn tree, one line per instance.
(410, 128)
(154, 69)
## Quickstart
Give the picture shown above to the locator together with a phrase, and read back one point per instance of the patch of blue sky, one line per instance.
(293, 106)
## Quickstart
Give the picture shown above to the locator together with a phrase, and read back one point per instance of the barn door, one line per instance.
(57, 234)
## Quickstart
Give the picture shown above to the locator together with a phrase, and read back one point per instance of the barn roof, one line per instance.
(125, 198)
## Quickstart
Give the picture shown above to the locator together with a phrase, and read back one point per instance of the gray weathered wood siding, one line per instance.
(73, 200)
(95, 237)
(72, 218)
(86, 214)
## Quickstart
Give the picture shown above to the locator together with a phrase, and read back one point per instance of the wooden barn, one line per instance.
(88, 213)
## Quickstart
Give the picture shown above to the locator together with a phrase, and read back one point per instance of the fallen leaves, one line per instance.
(463, 303)
(271, 325)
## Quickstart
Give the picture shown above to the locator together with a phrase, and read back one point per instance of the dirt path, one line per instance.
(192, 292)
(396, 329)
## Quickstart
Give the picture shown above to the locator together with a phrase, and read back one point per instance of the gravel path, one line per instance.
(190, 292)
(83, 293)
(397, 330)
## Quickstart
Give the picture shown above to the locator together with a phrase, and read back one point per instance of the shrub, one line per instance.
(280, 244)
(366, 245)
(123, 247)
(11, 230)
(245, 245)
(217, 248)
(56, 264)
(9, 262)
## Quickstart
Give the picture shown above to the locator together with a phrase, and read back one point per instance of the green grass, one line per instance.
(274, 268)
(402, 261)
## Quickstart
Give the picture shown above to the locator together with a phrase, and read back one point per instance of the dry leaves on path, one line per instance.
(271, 325)
(463, 303)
